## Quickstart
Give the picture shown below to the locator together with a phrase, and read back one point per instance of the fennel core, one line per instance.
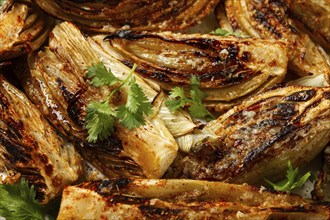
(101, 116)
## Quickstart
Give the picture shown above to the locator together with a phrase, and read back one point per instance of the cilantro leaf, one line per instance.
(175, 104)
(220, 31)
(195, 102)
(177, 99)
(132, 114)
(194, 86)
(101, 76)
(129, 119)
(18, 201)
(99, 120)
(225, 33)
(101, 116)
(197, 109)
(136, 99)
(292, 180)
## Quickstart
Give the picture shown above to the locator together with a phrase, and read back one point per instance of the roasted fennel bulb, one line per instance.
(182, 199)
(270, 20)
(57, 83)
(108, 16)
(31, 148)
(227, 67)
(315, 16)
(23, 28)
(178, 123)
(258, 137)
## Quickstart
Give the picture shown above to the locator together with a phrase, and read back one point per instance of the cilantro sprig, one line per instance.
(131, 115)
(101, 116)
(225, 33)
(194, 104)
(292, 181)
(18, 201)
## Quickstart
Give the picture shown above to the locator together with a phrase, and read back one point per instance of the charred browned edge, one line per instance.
(75, 108)
(301, 95)
(38, 182)
(326, 95)
(112, 145)
(15, 151)
(106, 187)
(20, 155)
(67, 94)
(117, 191)
(113, 191)
(312, 208)
(229, 71)
(12, 136)
(284, 115)
(238, 115)
(267, 12)
(120, 13)
(162, 212)
(109, 157)
(252, 157)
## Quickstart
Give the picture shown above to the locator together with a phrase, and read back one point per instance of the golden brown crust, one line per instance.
(108, 16)
(23, 28)
(216, 61)
(315, 15)
(229, 68)
(258, 137)
(55, 81)
(29, 145)
(270, 19)
(181, 199)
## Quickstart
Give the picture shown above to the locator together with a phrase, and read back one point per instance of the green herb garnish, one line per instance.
(101, 116)
(292, 180)
(195, 105)
(18, 201)
(225, 33)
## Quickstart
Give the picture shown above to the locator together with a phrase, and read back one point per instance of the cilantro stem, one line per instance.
(122, 83)
(101, 116)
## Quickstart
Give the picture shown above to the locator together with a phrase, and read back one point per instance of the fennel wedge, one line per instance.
(57, 82)
(182, 199)
(227, 67)
(315, 15)
(256, 138)
(270, 19)
(23, 28)
(109, 16)
(31, 148)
